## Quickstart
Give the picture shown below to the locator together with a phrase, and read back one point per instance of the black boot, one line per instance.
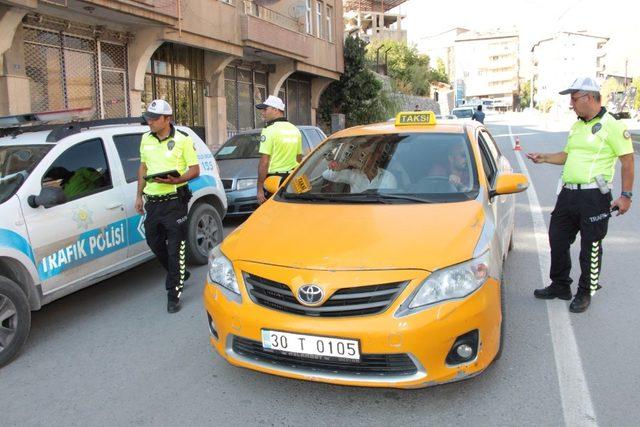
(581, 302)
(173, 305)
(553, 291)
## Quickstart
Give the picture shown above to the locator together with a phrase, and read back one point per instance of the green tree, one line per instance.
(636, 83)
(610, 86)
(525, 94)
(358, 94)
(409, 70)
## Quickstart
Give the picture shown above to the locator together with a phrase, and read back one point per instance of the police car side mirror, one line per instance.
(48, 197)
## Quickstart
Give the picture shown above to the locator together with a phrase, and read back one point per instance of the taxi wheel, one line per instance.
(204, 233)
(15, 320)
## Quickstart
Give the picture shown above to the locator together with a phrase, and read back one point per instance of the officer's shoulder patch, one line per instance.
(263, 138)
(182, 132)
(626, 134)
(595, 128)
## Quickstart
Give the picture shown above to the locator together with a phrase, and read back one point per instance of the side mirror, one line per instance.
(272, 184)
(48, 197)
(509, 183)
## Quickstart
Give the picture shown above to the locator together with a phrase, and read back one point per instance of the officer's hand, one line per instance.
(168, 180)
(623, 204)
(139, 205)
(535, 157)
(261, 197)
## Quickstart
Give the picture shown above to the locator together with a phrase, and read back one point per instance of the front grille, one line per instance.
(369, 364)
(357, 301)
(227, 184)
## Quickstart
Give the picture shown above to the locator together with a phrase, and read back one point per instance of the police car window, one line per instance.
(128, 147)
(80, 171)
(488, 163)
(306, 145)
(16, 163)
(241, 146)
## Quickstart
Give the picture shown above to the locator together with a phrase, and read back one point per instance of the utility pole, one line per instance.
(626, 63)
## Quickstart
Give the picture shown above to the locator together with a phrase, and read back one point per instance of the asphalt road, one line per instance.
(111, 355)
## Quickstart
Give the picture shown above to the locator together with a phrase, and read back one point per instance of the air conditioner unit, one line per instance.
(61, 3)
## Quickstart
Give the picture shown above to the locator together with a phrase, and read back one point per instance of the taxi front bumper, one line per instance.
(400, 352)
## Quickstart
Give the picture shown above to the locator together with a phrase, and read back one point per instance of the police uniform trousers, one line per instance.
(165, 230)
(586, 211)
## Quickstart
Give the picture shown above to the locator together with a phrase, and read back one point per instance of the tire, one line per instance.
(204, 232)
(15, 320)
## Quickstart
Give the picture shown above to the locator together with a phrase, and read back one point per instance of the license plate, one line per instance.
(311, 345)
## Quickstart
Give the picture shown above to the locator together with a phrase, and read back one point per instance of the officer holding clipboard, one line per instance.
(167, 162)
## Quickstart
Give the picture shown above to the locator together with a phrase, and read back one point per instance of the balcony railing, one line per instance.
(264, 13)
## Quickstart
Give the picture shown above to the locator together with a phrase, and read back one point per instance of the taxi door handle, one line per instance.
(115, 205)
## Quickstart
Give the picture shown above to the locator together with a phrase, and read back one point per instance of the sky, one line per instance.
(535, 20)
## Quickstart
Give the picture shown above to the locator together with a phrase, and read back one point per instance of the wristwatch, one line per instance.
(627, 194)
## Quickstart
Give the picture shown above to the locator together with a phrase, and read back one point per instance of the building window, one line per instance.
(244, 89)
(319, 6)
(176, 74)
(308, 17)
(330, 23)
(69, 71)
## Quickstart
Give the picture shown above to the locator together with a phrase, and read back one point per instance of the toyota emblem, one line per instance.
(310, 294)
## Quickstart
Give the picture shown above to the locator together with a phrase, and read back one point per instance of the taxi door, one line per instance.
(501, 206)
(83, 238)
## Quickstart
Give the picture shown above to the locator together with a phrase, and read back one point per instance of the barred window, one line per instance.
(72, 71)
(244, 89)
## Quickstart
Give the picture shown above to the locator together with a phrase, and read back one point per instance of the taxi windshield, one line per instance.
(16, 163)
(242, 146)
(389, 168)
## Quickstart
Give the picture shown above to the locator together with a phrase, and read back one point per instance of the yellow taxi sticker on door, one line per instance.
(301, 184)
(415, 118)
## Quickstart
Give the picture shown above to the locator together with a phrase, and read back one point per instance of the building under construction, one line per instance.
(372, 19)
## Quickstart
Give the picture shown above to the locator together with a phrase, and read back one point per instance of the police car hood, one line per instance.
(357, 237)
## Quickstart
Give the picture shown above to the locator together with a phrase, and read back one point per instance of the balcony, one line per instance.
(262, 27)
(164, 11)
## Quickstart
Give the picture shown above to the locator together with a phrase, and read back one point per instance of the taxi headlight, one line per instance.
(453, 282)
(243, 184)
(221, 271)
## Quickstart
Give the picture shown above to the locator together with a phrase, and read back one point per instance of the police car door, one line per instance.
(128, 148)
(82, 238)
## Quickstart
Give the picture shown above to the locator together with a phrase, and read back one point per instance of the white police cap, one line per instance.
(582, 84)
(157, 108)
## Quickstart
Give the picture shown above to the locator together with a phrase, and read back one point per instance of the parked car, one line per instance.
(55, 239)
(463, 112)
(390, 281)
(238, 160)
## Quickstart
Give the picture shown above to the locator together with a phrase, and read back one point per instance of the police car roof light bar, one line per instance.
(25, 123)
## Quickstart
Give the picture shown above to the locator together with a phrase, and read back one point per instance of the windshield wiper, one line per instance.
(309, 197)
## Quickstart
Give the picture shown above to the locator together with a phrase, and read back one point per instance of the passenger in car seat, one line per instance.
(374, 177)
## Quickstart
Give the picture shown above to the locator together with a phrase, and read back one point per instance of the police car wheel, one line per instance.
(204, 233)
(15, 320)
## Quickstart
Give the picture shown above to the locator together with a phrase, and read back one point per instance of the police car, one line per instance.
(377, 263)
(67, 216)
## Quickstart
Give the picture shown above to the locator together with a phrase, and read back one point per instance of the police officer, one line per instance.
(165, 148)
(584, 203)
(280, 144)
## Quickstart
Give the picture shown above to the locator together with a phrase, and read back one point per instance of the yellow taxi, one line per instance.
(378, 262)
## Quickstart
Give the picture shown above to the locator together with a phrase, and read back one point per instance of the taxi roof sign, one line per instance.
(415, 118)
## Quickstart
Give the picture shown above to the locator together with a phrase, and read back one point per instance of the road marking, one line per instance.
(513, 134)
(574, 392)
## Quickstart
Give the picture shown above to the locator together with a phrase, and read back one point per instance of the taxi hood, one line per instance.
(357, 237)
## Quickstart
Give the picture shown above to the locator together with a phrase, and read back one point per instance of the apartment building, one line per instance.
(559, 59)
(441, 47)
(487, 65)
(213, 60)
